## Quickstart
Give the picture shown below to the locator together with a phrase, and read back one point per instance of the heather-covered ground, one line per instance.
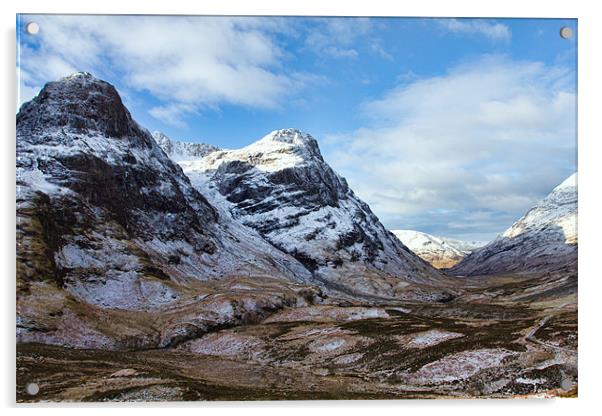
(503, 336)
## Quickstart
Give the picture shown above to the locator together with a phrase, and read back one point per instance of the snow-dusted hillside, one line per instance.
(441, 252)
(544, 239)
(281, 187)
(104, 213)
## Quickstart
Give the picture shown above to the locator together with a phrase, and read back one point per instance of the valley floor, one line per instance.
(503, 337)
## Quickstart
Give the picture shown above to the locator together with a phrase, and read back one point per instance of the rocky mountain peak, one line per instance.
(92, 182)
(79, 103)
(107, 216)
(557, 209)
(81, 77)
(570, 182)
(161, 138)
(290, 136)
(291, 147)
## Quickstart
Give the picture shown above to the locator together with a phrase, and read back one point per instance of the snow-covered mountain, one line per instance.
(441, 252)
(104, 213)
(544, 239)
(281, 187)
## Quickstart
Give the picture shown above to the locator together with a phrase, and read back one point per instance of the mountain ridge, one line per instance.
(544, 239)
(116, 248)
(179, 149)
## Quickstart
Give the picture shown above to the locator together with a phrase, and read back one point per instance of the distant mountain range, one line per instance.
(441, 252)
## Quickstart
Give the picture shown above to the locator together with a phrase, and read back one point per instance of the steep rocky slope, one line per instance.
(106, 220)
(544, 239)
(441, 252)
(281, 187)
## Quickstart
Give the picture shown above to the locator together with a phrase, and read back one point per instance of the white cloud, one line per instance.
(186, 62)
(172, 114)
(487, 139)
(481, 27)
(335, 52)
(335, 37)
(379, 50)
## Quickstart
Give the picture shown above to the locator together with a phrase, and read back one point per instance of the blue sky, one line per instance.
(450, 126)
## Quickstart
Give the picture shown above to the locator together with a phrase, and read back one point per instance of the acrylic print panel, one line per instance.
(277, 208)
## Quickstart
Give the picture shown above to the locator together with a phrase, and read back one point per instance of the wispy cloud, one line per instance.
(335, 52)
(335, 37)
(479, 144)
(188, 64)
(489, 29)
(185, 62)
(172, 114)
(378, 49)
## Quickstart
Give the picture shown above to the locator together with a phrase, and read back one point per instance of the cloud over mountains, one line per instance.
(476, 145)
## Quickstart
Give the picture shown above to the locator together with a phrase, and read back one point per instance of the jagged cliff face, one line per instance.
(544, 239)
(105, 214)
(281, 187)
(441, 252)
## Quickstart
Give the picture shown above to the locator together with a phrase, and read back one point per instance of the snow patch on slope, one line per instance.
(461, 366)
(557, 209)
